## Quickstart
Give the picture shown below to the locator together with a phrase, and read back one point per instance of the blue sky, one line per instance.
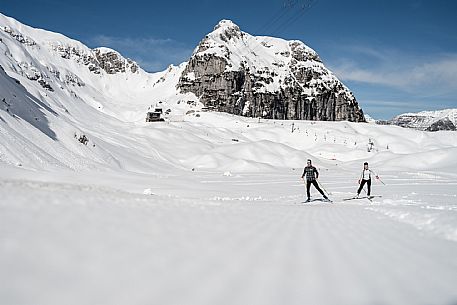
(396, 56)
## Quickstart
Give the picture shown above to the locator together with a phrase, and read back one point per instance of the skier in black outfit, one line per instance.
(311, 174)
(365, 177)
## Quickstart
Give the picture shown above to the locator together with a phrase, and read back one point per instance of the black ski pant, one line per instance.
(308, 186)
(362, 183)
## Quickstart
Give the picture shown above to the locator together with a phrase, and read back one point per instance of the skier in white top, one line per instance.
(365, 177)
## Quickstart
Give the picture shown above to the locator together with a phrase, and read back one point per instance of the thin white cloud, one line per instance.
(373, 53)
(131, 42)
(390, 81)
(394, 104)
(151, 54)
(425, 75)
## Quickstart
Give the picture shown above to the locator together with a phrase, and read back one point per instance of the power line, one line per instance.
(278, 25)
(276, 18)
(304, 8)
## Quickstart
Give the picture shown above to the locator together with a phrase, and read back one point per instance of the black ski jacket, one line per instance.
(311, 173)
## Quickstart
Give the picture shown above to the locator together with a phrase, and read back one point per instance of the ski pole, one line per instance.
(320, 184)
(377, 177)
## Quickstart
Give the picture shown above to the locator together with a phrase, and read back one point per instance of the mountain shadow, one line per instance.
(17, 102)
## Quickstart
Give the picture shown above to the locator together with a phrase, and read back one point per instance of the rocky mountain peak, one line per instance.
(226, 24)
(235, 72)
(226, 30)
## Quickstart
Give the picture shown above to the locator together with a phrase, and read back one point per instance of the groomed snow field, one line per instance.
(209, 209)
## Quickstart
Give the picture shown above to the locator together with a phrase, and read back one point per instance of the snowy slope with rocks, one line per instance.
(428, 120)
(59, 68)
(66, 91)
(205, 208)
(266, 77)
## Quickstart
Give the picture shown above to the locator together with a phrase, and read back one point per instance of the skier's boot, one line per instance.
(307, 200)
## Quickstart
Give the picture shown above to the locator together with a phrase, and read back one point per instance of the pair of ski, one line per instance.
(345, 199)
(322, 200)
(363, 197)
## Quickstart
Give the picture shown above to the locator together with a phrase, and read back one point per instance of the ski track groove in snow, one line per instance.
(174, 250)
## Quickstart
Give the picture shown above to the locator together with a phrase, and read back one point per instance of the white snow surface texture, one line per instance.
(205, 208)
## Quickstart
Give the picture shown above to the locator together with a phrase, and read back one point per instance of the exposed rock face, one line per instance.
(410, 121)
(112, 62)
(34, 74)
(74, 80)
(443, 124)
(19, 37)
(101, 58)
(232, 71)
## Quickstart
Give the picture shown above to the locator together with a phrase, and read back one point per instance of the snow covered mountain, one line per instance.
(55, 91)
(64, 105)
(242, 74)
(267, 77)
(428, 120)
(59, 68)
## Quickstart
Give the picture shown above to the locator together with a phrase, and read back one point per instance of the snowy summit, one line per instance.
(235, 72)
